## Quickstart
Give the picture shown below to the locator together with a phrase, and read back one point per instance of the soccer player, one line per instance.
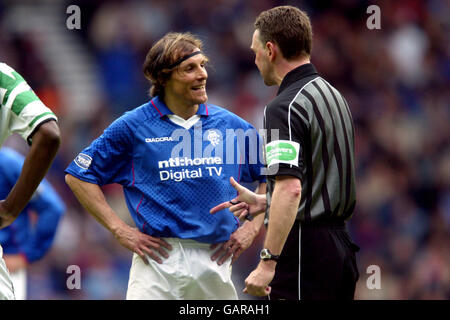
(30, 236)
(311, 170)
(22, 112)
(173, 156)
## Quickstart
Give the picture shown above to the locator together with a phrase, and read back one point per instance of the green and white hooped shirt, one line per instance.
(21, 111)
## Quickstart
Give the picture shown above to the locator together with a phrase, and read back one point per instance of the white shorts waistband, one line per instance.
(187, 243)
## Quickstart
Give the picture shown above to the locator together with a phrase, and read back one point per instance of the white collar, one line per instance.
(182, 122)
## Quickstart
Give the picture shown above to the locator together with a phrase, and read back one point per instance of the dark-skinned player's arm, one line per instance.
(45, 143)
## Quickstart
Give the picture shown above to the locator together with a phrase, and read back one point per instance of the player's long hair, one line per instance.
(165, 53)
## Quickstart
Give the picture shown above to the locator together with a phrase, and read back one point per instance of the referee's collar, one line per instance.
(305, 70)
(158, 104)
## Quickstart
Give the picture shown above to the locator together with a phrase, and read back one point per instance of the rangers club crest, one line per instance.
(213, 137)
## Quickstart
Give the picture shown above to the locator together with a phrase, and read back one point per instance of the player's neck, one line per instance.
(284, 67)
(182, 109)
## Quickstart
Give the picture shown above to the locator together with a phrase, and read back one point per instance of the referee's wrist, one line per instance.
(268, 264)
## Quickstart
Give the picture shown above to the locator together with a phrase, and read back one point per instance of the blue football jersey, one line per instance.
(173, 175)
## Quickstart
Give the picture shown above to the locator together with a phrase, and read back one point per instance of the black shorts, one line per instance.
(318, 262)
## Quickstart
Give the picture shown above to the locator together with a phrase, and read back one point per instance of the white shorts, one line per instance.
(19, 280)
(188, 274)
(6, 286)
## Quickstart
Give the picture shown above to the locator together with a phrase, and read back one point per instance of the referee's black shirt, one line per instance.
(310, 135)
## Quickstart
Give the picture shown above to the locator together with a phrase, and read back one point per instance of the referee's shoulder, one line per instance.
(292, 99)
(281, 103)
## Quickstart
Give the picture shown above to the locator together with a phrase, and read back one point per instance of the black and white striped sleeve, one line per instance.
(287, 136)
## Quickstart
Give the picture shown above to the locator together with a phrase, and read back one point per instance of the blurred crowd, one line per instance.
(396, 80)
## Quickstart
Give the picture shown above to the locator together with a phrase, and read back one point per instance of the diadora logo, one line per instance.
(83, 161)
(213, 137)
(160, 139)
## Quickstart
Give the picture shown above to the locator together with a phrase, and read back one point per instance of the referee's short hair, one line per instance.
(288, 27)
(163, 56)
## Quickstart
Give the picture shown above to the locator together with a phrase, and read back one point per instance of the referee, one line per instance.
(307, 254)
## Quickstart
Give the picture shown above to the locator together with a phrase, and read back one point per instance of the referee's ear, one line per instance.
(272, 50)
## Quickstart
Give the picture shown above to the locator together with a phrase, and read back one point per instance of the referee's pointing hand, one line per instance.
(246, 203)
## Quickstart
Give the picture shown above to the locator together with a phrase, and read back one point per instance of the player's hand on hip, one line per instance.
(257, 283)
(239, 241)
(143, 244)
(244, 204)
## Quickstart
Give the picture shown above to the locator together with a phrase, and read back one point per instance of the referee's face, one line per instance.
(261, 59)
(187, 84)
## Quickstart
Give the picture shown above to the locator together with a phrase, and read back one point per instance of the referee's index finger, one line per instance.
(219, 207)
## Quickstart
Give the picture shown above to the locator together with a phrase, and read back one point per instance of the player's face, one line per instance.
(187, 84)
(262, 59)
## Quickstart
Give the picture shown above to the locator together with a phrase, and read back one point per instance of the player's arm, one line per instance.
(46, 141)
(93, 200)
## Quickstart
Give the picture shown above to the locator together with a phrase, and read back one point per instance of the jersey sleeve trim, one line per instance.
(81, 177)
(30, 136)
(48, 115)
